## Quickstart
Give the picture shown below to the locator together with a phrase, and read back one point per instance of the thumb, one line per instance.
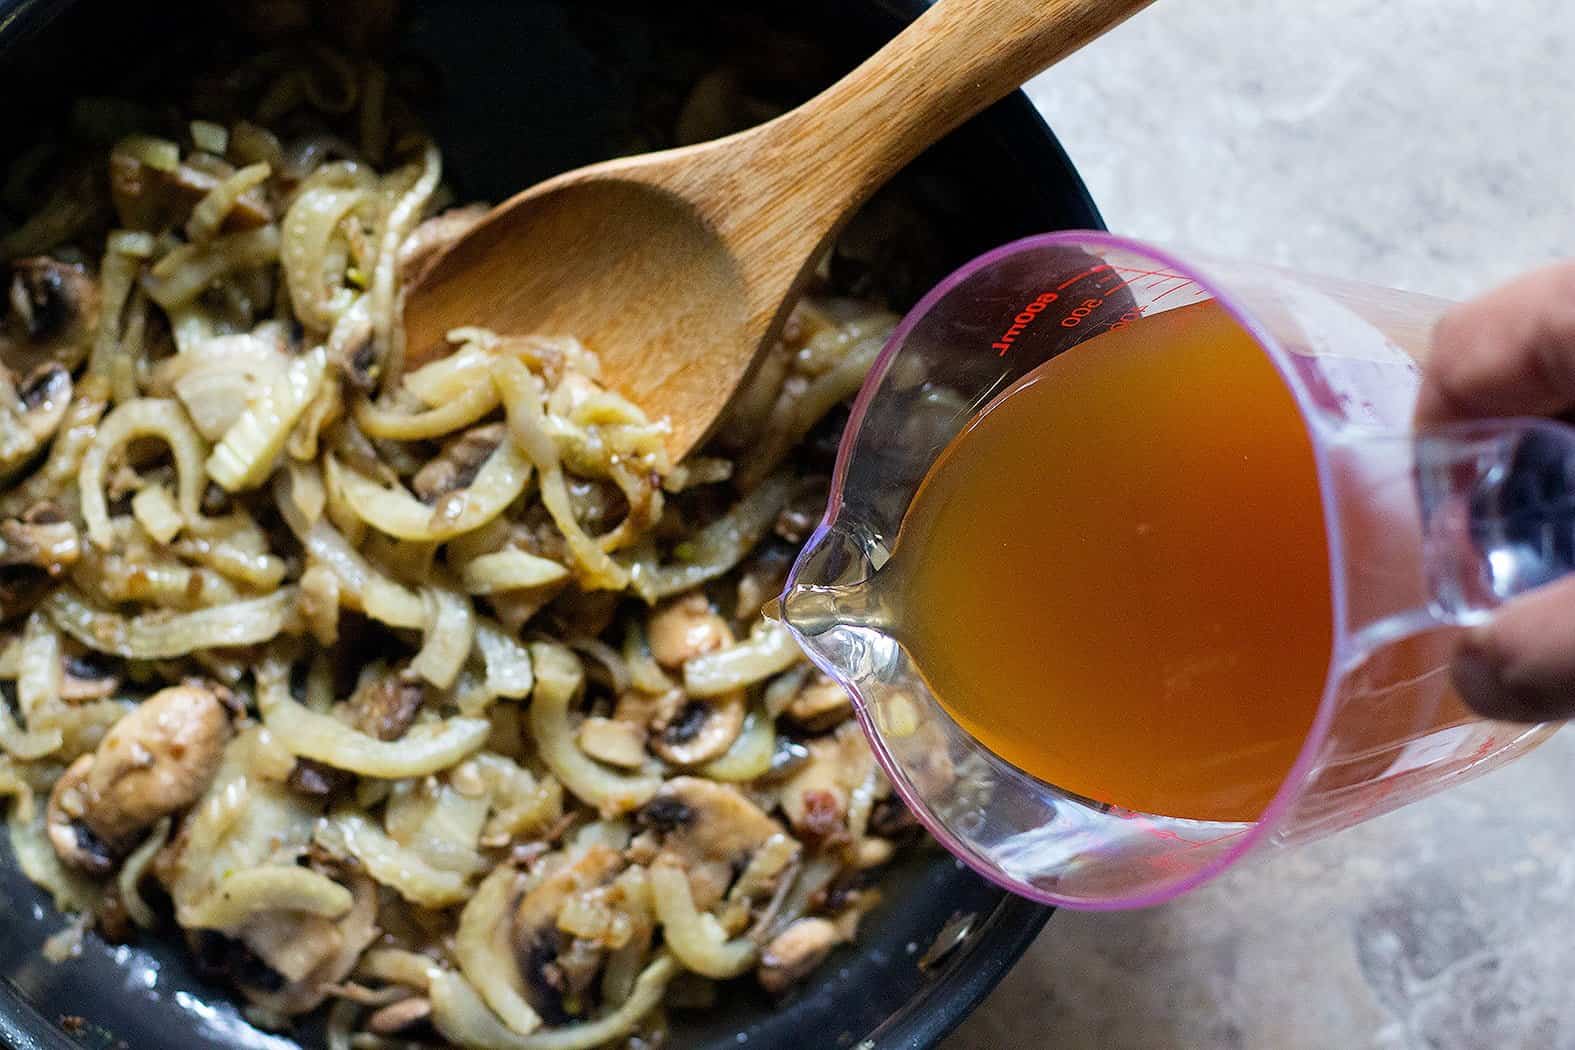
(1520, 666)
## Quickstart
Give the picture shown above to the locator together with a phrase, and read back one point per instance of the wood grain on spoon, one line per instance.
(678, 267)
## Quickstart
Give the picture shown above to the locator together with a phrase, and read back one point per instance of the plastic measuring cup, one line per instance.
(1425, 535)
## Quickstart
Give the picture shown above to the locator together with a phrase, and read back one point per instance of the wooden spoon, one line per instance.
(678, 267)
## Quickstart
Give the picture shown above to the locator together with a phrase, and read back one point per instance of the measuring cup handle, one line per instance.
(1497, 502)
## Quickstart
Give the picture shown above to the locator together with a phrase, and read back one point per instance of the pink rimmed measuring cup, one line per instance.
(1426, 534)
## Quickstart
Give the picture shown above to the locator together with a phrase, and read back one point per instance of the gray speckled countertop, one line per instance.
(1425, 144)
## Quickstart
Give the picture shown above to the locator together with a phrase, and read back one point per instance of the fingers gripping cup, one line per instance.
(1132, 564)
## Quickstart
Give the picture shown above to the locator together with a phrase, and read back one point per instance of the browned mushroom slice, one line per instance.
(608, 740)
(30, 412)
(701, 730)
(821, 704)
(157, 760)
(456, 466)
(74, 842)
(686, 627)
(87, 676)
(40, 539)
(710, 830)
(816, 797)
(387, 707)
(147, 198)
(795, 952)
(48, 316)
(538, 940)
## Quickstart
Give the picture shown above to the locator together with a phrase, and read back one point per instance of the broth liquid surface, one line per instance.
(1117, 577)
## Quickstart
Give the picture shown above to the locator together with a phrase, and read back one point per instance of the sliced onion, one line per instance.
(364, 587)
(695, 937)
(449, 377)
(217, 378)
(241, 895)
(464, 409)
(396, 512)
(769, 650)
(509, 570)
(160, 637)
(138, 864)
(483, 949)
(558, 678)
(719, 546)
(246, 455)
(750, 755)
(183, 274)
(426, 747)
(461, 1015)
(404, 870)
(450, 633)
(310, 224)
(142, 418)
(507, 662)
(40, 672)
(209, 213)
(521, 392)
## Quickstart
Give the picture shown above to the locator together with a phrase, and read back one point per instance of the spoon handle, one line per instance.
(956, 59)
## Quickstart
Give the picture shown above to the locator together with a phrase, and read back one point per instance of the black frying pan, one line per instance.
(523, 89)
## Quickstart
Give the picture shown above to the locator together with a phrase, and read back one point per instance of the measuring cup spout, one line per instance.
(1494, 517)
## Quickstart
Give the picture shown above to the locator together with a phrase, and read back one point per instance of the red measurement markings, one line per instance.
(1070, 281)
(1081, 312)
(1025, 317)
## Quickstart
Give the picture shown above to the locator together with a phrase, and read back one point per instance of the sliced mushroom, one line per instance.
(457, 465)
(684, 628)
(87, 677)
(41, 539)
(21, 589)
(538, 909)
(538, 941)
(75, 843)
(647, 710)
(816, 798)
(318, 779)
(702, 730)
(387, 707)
(49, 314)
(149, 199)
(787, 758)
(795, 952)
(617, 743)
(710, 830)
(821, 704)
(30, 412)
(157, 760)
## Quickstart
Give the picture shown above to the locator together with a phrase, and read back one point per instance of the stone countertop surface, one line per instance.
(1427, 145)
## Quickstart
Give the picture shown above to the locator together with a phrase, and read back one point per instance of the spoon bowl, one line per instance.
(678, 267)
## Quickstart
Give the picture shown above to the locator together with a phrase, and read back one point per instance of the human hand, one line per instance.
(1511, 352)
